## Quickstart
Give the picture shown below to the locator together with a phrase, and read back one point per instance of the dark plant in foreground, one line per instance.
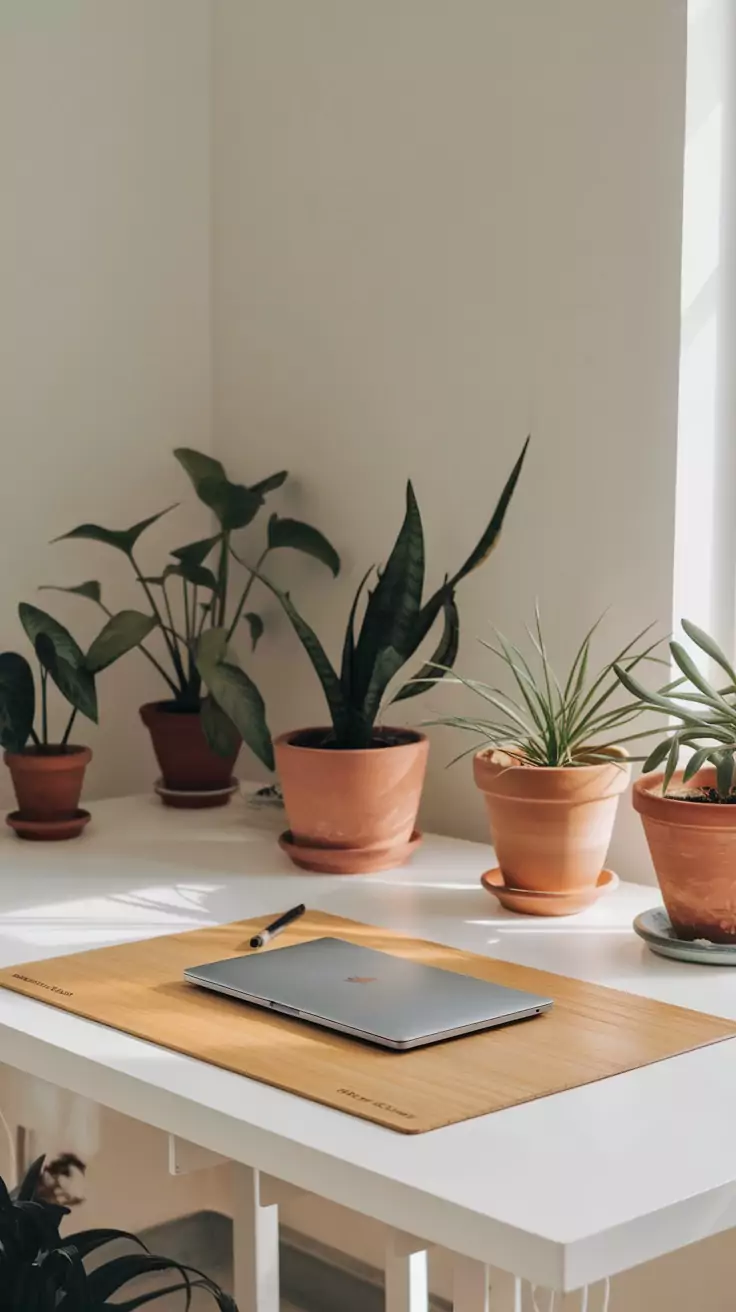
(190, 599)
(549, 723)
(42, 1272)
(395, 623)
(707, 715)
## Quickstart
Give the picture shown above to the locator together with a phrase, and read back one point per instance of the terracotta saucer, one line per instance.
(547, 904)
(48, 831)
(347, 860)
(184, 799)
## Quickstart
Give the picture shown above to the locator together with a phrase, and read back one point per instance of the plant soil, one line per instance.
(709, 795)
(324, 739)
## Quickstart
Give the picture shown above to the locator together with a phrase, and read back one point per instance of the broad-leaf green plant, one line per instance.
(62, 661)
(41, 1271)
(706, 716)
(395, 623)
(547, 722)
(191, 607)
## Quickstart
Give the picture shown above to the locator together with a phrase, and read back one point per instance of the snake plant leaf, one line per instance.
(724, 771)
(195, 553)
(348, 650)
(444, 656)
(387, 664)
(121, 634)
(17, 701)
(490, 537)
(270, 484)
(320, 660)
(256, 626)
(302, 537)
(395, 601)
(91, 590)
(123, 539)
(234, 504)
(710, 647)
(218, 729)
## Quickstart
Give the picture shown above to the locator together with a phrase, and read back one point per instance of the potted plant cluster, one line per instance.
(551, 768)
(689, 815)
(41, 1271)
(47, 769)
(352, 788)
(213, 705)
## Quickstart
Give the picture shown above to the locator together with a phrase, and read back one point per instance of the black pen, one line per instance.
(265, 936)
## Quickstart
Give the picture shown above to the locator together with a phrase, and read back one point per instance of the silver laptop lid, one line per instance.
(371, 994)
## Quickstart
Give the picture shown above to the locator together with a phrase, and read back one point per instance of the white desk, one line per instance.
(562, 1191)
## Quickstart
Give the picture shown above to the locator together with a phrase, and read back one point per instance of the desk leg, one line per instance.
(406, 1275)
(480, 1288)
(255, 1244)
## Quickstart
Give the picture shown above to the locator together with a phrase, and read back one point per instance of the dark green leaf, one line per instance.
(489, 539)
(386, 665)
(91, 590)
(445, 655)
(122, 632)
(219, 731)
(255, 624)
(37, 621)
(724, 772)
(195, 553)
(199, 466)
(393, 606)
(199, 575)
(211, 648)
(302, 537)
(316, 652)
(234, 504)
(123, 539)
(270, 484)
(348, 650)
(17, 701)
(239, 698)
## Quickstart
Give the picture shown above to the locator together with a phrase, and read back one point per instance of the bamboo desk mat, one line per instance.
(590, 1033)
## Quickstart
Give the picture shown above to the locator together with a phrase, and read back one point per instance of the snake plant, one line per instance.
(706, 715)
(395, 622)
(41, 1271)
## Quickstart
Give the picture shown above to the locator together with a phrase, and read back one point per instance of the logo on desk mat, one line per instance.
(382, 1106)
(39, 984)
(361, 979)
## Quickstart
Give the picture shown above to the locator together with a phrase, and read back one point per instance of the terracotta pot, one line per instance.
(550, 827)
(693, 847)
(362, 802)
(186, 760)
(48, 784)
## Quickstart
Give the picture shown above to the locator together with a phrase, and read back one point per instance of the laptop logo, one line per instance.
(361, 979)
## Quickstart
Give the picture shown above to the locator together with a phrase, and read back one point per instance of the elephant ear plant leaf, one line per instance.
(42, 1272)
(545, 722)
(706, 718)
(62, 660)
(190, 598)
(395, 622)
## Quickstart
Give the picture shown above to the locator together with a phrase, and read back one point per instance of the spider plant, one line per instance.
(42, 1272)
(707, 715)
(548, 722)
(190, 597)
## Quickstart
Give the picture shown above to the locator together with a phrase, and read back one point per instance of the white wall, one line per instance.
(104, 309)
(437, 227)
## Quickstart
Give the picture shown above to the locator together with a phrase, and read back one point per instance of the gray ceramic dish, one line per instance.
(655, 928)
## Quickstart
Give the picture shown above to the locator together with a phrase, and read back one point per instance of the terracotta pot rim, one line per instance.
(32, 758)
(616, 754)
(416, 739)
(650, 803)
(163, 707)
